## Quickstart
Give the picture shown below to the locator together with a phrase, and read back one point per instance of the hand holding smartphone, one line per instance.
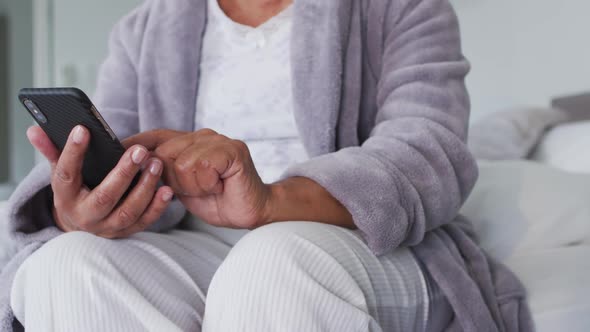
(98, 186)
(58, 111)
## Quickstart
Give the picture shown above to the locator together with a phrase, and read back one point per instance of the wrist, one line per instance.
(302, 199)
(276, 194)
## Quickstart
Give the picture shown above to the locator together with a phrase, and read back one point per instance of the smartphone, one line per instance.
(58, 111)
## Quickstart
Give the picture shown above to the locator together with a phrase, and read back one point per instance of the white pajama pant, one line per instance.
(292, 276)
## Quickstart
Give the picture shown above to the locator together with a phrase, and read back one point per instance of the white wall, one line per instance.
(69, 44)
(524, 52)
(81, 35)
(16, 155)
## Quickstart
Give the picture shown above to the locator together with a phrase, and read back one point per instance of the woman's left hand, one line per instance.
(212, 175)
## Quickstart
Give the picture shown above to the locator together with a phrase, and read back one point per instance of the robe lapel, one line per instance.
(320, 33)
(318, 45)
(174, 68)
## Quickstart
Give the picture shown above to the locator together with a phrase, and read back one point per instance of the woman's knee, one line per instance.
(59, 270)
(286, 273)
(269, 255)
(286, 241)
(64, 257)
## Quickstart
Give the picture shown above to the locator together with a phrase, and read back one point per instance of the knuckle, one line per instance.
(220, 139)
(241, 149)
(126, 217)
(206, 132)
(63, 175)
(103, 198)
(126, 171)
(182, 167)
(159, 151)
(240, 145)
(163, 152)
(223, 137)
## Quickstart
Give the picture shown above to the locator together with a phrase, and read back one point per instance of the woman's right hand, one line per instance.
(98, 211)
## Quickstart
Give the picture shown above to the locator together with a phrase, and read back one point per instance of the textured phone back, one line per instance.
(66, 108)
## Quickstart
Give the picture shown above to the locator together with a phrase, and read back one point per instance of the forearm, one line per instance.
(302, 199)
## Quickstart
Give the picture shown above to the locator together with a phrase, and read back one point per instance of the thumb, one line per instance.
(43, 144)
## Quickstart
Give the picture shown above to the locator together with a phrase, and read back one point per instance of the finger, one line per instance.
(129, 212)
(185, 168)
(106, 196)
(225, 160)
(153, 212)
(67, 175)
(43, 144)
(151, 139)
(172, 175)
(209, 179)
(195, 173)
(172, 148)
(169, 175)
(175, 146)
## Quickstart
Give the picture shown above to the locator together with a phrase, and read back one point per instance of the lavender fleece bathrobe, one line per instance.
(381, 107)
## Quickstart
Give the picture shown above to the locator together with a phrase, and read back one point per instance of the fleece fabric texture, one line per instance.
(382, 109)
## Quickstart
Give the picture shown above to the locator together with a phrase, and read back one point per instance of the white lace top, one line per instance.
(245, 89)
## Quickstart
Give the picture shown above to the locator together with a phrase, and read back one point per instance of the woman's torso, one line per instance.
(245, 93)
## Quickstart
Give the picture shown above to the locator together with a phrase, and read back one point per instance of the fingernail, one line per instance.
(30, 134)
(167, 197)
(30, 131)
(78, 136)
(138, 156)
(156, 167)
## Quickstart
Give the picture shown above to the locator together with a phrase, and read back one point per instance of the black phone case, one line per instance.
(66, 108)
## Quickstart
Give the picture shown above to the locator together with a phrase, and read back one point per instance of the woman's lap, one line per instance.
(153, 275)
(390, 290)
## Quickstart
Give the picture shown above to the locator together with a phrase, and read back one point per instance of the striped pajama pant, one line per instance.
(292, 276)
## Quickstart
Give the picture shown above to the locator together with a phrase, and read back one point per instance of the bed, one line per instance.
(530, 206)
(536, 220)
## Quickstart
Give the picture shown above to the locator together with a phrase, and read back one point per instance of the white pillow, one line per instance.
(511, 135)
(566, 147)
(520, 207)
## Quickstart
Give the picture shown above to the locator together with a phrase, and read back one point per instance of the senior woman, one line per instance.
(335, 133)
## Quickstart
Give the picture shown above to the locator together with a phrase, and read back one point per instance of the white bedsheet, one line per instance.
(520, 207)
(536, 219)
(558, 285)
